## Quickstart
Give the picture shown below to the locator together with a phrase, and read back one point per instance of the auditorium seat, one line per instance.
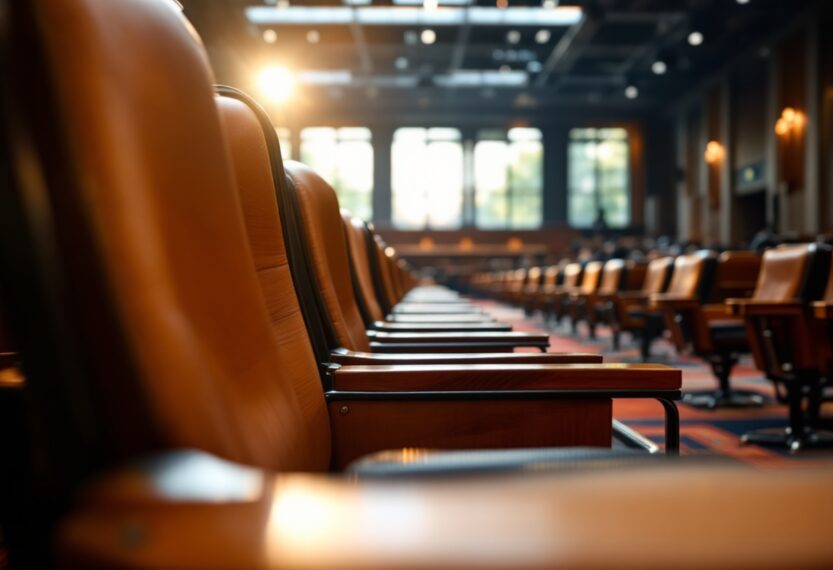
(696, 318)
(580, 302)
(552, 277)
(619, 276)
(783, 337)
(631, 307)
(555, 300)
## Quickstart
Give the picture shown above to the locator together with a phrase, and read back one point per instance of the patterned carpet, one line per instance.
(702, 432)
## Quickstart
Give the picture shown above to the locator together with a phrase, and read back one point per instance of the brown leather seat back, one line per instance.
(735, 276)
(613, 276)
(782, 273)
(572, 275)
(253, 171)
(533, 278)
(688, 272)
(167, 308)
(384, 270)
(635, 272)
(326, 242)
(551, 276)
(592, 276)
(360, 263)
(658, 275)
(782, 345)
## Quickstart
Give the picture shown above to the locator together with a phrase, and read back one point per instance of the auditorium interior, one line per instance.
(416, 284)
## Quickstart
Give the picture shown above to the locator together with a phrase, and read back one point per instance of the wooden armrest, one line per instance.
(674, 302)
(345, 357)
(632, 295)
(823, 310)
(578, 520)
(452, 337)
(432, 319)
(489, 377)
(752, 308)
(382, 326)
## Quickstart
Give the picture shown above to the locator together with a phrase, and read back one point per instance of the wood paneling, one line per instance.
(363, 427)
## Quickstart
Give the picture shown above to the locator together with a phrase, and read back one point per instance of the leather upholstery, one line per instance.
(384, 271)
(158, 198)
(781, 273)
(592, 277)
(256, 188)
(324, 231)
(357, 241)
(612, 276)
(688, 271)
(656, 275)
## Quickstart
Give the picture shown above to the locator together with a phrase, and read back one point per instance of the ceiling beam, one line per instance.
(568, 49)
(362, 50)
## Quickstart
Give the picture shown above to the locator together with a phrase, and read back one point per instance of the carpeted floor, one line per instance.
(703, 432)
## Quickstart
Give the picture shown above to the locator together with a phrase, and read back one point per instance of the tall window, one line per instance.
(427, 178)
(509, 179)
(598, 177)
(344, 158)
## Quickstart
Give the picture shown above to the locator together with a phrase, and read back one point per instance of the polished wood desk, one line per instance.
(191, 510)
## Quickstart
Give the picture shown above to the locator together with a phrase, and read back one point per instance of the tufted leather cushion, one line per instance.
(157, 195)
(324, 232)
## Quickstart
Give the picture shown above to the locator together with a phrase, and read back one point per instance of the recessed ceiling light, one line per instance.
(549, 4)
(743, 1)
(270, 36)
(313, 37)
(659, 67)
(411, 37)
(513, 36)
(631, 92)
(428, 37)
(542, 36)
(401, 63)
(695, 38)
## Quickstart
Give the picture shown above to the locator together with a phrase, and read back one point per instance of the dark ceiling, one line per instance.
(586, 64)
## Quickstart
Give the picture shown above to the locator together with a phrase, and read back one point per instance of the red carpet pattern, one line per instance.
(703, 432)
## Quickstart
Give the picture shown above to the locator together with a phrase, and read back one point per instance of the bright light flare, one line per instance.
(276, 84)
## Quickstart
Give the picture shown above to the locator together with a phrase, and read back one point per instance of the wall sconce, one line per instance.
(714, 152)
(789, 121)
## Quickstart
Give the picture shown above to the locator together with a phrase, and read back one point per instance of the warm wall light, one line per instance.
(714, 152)
(276, 83)
(790, 120)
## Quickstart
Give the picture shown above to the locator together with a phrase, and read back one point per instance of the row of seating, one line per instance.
(715, 306)
(171, 284)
